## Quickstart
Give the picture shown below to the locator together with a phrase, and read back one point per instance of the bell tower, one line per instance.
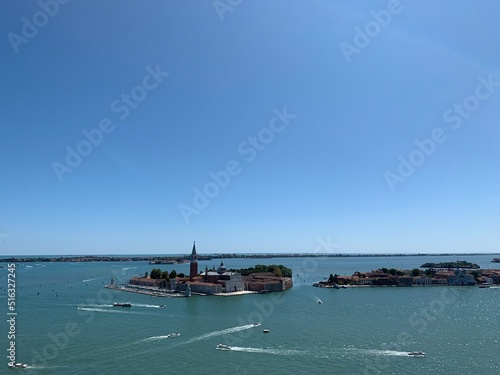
(193, 263)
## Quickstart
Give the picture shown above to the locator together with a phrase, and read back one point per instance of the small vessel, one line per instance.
(18, 365)
(119, 304)
(484, 285)
(223, 347)
(162, 306)
(416, 354)
(320, 301)
(256, 324)
(265, 331)
(175, 334)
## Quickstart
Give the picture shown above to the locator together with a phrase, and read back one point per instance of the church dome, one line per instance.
(222, 268)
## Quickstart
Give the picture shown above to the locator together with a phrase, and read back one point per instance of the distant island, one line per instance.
(183, 259)
(458, 263)
(414, 277)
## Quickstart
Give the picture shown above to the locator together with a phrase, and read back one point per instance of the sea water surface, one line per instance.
(66, 323)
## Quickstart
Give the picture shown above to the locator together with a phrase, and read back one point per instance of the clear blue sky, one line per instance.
(429, 69)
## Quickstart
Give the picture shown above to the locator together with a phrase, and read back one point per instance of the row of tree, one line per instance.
(157, 273)
(278, 270)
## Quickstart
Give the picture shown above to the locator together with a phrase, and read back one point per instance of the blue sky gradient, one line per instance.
(332, 169)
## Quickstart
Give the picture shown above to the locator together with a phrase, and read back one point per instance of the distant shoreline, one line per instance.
(182, 259)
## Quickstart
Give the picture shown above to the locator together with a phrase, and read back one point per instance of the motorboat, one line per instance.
(320, 301)
(118, 304)
(265, 331)
(256, 324)
(484, 285)
(416, 354)
(223, 347)
(18, 365)
(162, 307)
(175, 334)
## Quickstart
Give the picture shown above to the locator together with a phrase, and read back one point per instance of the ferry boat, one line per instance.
(118, 304)
(416, 354)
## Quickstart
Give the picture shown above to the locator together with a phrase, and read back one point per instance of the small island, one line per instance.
(220, 281)
(458, 263)
(415, 277)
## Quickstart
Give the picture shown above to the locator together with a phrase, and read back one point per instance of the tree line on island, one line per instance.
(278, 270)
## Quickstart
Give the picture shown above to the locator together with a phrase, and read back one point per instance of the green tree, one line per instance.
(277, 271)
(384, 270)
(392, 271)
(415, 272)
(173, 274)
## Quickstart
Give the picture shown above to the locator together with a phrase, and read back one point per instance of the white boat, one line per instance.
(265, 331)
(18, 365)
(175, 334)
(223, 347)
(256, 324)
(416, 354)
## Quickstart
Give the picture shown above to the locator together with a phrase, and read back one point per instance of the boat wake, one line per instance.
(219, 333)
(86, 281)
(268, 351)
(116, 311)
(379, 352)
(158, 338)
(148, 306)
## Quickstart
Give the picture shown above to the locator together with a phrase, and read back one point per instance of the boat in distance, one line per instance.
(120, 304)
(416, 354)
(18, 365)
(223, 347)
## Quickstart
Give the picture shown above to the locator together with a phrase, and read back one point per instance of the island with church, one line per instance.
(459, 273)
(220, 281)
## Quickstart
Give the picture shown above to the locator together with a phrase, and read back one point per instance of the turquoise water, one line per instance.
(66, 324)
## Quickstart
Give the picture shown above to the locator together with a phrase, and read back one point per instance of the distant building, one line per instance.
(461, 278)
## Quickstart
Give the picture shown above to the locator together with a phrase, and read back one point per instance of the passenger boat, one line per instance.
(18, 365)
(118, 304)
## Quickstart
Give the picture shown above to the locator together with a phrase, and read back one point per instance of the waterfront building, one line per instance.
(461, 278)
(422, 280)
